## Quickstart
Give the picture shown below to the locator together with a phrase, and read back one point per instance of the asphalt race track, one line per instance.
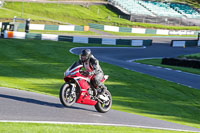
(17, 105)
(124, 57)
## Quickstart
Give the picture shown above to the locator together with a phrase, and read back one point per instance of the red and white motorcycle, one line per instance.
(78, 88)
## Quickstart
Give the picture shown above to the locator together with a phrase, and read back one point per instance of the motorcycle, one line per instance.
(79, 88)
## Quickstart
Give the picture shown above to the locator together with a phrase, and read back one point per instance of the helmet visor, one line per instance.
(83, 58)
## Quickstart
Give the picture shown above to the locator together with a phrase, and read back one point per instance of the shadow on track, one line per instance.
(30, 100)
(43, 103)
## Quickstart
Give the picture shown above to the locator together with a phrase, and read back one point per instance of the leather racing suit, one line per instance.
(92, 66)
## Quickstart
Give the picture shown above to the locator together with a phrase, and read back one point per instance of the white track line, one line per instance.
(132, 60)
(97, 124)
(71, 50)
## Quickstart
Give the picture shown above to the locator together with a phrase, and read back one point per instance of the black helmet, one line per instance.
(85, 55)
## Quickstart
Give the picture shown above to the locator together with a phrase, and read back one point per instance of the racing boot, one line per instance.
(102, 89)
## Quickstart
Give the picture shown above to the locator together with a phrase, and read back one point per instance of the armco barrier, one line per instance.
(138, 30)
(50, 37)
(137, 43)
(79, 28)
(66, 28)
(184, 43)
(191, 43)
(77, 39)
(109, 41)
(111, 28)
(51, 27)
(123, 42)
(16, 35)
(143, 30)
(37, 27)
(96, 26)
(125, 29)
(95, 40)
(178, 43)
(107, 28)
(33, 36)
(19, 35)
(80, 39)
(162, 32)
(151, 31)
(65, 38)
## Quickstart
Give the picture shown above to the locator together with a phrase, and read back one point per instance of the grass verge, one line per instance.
(39, 65)
(77, 14)
(63, 128)
(192, 56)
(64, 32)
(157, 62)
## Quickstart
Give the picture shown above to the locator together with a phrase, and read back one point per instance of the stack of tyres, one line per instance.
(194, 63)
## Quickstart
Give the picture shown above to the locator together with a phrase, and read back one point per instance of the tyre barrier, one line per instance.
(193, 63)
(55, 27)
(77, 39)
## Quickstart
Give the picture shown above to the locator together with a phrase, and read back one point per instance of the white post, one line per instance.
(22, 8)
(98, 11)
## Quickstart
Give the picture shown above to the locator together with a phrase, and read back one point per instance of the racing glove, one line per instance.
(91, 73)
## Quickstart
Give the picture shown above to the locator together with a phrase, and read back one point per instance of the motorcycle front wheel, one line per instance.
(67, 95)
(104, 106)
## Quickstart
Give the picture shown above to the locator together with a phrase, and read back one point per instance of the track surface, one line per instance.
(122, 57)
(28, 106)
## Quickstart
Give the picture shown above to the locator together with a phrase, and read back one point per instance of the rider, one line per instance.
(91, 65)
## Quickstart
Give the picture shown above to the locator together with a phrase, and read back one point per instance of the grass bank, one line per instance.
(63, 32)
(192, 56)
(157, 62)
(38, 66)
(76, 14)
(62, 128)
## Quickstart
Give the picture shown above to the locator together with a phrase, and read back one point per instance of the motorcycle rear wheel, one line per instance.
(67, 98)
(104, 107)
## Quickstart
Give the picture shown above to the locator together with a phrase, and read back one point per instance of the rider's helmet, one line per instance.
(85, 55)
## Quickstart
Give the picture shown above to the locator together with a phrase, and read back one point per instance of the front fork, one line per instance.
(73, 89)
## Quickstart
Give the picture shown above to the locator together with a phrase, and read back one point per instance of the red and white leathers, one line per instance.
(92, 66)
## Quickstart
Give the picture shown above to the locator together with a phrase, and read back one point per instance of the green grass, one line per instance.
(38, 66)
(192, 56)
(62, 128)
(63, 32)
(76, 14)
(7, 14)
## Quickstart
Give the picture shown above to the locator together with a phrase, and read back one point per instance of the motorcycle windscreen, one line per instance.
(76, 64)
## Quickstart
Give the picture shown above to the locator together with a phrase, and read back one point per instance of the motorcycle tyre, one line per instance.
(99, 107)
(62, 98)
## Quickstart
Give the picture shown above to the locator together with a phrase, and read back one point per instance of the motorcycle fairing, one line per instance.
(73, 74)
